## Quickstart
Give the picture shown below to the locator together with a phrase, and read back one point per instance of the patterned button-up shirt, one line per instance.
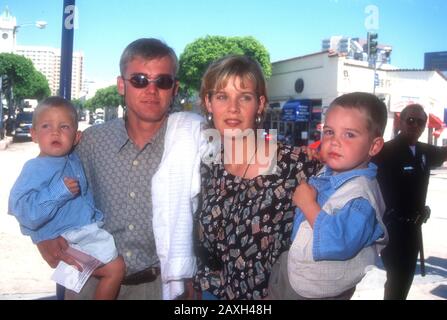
(120, 176)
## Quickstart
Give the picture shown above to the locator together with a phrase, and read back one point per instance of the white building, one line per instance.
(48, 61)
(317, 79)
(8, 25)
(45, 59)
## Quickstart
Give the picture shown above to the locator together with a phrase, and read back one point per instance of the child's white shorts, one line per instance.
(94, 241)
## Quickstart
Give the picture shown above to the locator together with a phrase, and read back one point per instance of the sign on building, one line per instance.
(296, 110)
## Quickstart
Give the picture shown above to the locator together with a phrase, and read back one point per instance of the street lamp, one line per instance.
(38, 24)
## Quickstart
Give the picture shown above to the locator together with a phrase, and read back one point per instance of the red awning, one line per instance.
(437, 132)
(315, 145)
(434, 122)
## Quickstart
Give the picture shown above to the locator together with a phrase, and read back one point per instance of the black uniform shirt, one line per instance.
(404, 177)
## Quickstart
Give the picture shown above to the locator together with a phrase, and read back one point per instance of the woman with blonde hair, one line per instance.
(245, 217)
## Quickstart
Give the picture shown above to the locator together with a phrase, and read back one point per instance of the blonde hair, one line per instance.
(148, 49)
(56, 102)
(220, 71)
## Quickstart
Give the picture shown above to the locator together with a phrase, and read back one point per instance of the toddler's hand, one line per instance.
(72, 185)
(304, 195)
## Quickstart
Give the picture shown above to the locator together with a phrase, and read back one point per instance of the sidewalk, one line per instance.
(5, 142)
(433, 286)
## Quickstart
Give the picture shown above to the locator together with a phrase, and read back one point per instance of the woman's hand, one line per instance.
(190, 293)
(312, 153)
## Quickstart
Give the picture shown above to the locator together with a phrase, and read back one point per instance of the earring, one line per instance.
(209, 117)
(258, 119)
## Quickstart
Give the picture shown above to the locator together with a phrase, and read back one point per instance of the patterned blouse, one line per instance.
(243, 225)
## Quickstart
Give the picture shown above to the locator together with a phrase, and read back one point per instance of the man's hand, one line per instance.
(72, 185)
(53, 251)
(189, 293)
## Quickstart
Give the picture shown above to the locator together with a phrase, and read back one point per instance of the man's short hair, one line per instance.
(56, 102)
(374, 108)
(148, 49)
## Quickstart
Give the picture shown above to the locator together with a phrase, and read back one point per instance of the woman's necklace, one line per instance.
(234, 204)
(248, 164)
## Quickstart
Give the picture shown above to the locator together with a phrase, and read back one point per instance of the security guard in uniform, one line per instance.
(403, 173)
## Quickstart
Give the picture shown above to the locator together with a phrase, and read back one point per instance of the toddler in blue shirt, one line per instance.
(51, 197)
(338, 224)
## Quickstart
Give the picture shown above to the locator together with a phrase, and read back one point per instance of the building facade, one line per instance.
(48, 61)
(309, 83)
(45, 59)
(8, 24)
(436, 61)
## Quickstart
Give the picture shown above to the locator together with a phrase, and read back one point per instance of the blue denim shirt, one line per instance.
(340, 236)
(43, 205)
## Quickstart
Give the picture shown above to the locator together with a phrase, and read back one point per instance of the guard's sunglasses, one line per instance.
(411, 121)
(140, 81)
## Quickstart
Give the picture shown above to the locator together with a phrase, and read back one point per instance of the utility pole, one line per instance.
(372, 54)
(68, 17)
(376, 77)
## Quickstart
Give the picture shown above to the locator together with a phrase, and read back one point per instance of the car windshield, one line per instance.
(25, 117)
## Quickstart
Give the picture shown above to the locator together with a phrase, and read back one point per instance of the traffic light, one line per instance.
(372, 43)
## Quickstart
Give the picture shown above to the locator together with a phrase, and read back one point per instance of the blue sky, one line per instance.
(287, 28)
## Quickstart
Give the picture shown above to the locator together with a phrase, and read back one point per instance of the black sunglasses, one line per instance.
(412, 121)
(140, 81)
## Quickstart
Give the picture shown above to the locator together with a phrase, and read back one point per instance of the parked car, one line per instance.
(81, 115)
(99, 121)
(23, 124)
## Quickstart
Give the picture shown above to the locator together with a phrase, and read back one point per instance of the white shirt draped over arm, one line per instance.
(175, 187)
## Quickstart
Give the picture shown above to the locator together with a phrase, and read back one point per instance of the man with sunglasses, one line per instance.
(403, 173)
(144, 173)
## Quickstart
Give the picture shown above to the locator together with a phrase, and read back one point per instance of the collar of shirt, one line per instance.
(327, 176)
(122, 138)
(401, 139)
(73, 157)
(50, 159)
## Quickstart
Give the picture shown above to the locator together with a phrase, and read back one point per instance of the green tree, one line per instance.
(199, 54)
(88, 105)
(26, 81)
(37, 87)
(78, 103)
(104, 98)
